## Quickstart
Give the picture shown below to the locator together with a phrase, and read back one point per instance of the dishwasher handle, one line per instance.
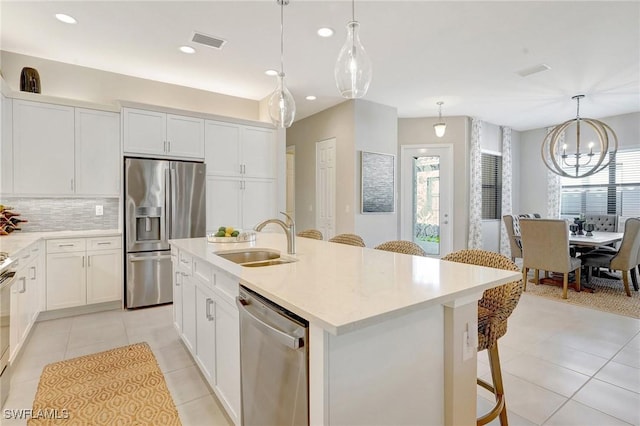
(292, 342)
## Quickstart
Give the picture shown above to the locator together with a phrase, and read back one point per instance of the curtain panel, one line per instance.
(507, 188)
(554, 185)
(475, 187)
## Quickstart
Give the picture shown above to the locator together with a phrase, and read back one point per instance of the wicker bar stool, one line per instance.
(402, 246)
(311, 233)
(493, 310)
(349, 239)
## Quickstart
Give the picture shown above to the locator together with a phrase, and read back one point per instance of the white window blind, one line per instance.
(614, 190)
(491, 186)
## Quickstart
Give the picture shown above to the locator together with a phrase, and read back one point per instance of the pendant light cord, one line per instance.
(353, 10)
(281, 36)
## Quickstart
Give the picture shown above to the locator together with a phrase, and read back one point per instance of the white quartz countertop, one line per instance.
(14, 242)
(342, 288)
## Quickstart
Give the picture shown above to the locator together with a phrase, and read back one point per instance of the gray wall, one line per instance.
(336, 122)
(357, 125)
(376, 130)
(419, 131)
(533, 172)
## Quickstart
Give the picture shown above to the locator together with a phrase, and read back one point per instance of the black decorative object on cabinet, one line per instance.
(29, 80)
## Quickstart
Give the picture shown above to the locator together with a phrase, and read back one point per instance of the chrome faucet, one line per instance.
(289, 229)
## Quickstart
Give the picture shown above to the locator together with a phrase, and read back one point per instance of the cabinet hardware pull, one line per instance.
(105, 243)
(83, 261)
(66, 245)
(209, 302)
(89, 261)
(26, 256)
(177, 281)
(169, 145)
(33, 268)
(24, 285)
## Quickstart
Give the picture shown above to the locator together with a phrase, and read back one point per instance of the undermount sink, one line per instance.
(255, 257)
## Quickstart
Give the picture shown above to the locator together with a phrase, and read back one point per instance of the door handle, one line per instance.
(283, 338)
(143, 258)
(209, 302)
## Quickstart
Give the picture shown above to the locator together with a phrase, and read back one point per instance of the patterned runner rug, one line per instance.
(122, 386)
(608, 295)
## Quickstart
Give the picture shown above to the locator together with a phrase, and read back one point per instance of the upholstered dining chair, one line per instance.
(545, 245)
(349, 239)
(311, 233)
(624, 260)
(512, 224)
(402, 246)
(494, 308)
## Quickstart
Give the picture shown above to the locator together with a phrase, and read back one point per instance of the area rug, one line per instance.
(122, 386)
(608, 295)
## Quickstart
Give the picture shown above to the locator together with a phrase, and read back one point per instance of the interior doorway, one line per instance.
(326, 187)
(426, 197)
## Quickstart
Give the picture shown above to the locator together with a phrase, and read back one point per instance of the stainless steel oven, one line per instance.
(7, 277)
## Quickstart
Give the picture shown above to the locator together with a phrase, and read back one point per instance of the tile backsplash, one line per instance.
(64, 214)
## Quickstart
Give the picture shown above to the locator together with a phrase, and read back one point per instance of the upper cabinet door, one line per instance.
(222, 148)
(258, 152)
(97, 152)
(43, 148)
(144, 132)
(185, 136)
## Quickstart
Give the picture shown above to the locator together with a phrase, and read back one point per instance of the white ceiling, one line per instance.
(463, 53)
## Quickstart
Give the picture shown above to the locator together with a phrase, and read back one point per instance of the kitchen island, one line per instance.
(392, 336)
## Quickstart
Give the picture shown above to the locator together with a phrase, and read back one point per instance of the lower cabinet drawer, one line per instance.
(104, 243)
(66, 245)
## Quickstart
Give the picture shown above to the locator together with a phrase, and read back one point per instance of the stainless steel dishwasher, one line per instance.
(274, 363)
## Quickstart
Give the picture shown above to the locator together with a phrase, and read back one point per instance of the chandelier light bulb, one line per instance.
(353, 70)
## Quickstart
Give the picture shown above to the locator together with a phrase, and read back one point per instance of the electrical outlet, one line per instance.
(99, 211)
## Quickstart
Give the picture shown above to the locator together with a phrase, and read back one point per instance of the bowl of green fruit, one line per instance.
(227, 234)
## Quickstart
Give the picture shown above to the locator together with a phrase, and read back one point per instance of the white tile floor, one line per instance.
(562, 364)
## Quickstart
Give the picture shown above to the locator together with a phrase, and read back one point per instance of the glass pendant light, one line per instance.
(440, 126)
(282, 107)
(353, 69)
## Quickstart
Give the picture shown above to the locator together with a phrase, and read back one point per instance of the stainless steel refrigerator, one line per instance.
(163, 200)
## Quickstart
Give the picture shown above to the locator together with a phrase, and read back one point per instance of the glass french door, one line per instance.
(426, 198)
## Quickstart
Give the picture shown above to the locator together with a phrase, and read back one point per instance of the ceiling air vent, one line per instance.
(533, 70)
(208, 40)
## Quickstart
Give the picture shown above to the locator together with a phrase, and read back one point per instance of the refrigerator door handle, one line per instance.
(173, 196)
(168, 202)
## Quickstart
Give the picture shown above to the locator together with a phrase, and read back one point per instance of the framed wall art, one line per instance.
(377, 172)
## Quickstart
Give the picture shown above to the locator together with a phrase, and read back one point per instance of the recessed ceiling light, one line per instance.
(311, 98)
(325, 32)
(187, 49)
(271, 73)
(65, 18)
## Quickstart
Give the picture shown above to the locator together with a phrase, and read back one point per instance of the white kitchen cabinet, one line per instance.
(240, 150)
(177, 291)
(43, 141)
(6, 146)
(206, 333)
(25, 294)
(241, 203)
(97, 152)
(227, 356)
(104, 275)
(189, 330)
(210, 325)
(156, 133)
(83, 271)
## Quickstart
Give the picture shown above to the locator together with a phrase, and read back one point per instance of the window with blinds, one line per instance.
(614, 190)
(491, 186)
